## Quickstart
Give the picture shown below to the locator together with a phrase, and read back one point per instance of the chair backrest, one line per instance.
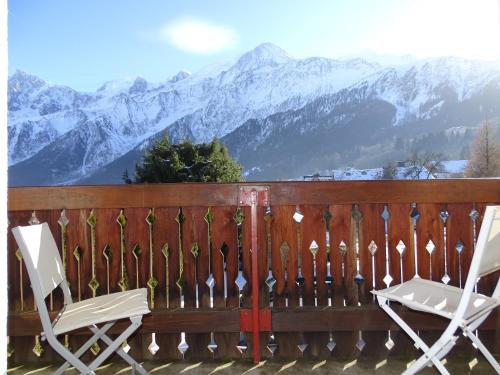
(42, 259)
(490, 261)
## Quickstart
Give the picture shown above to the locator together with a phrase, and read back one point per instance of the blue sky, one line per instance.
(84, 43)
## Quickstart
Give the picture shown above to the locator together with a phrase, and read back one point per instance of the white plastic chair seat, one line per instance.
(437, 298)
(102, 309)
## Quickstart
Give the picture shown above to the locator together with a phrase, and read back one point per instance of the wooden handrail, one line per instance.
(282, 193)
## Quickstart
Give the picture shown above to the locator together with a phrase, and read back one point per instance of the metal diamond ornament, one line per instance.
(430, 247)
(314, 248)
(385, 214)
(329, 280)
(358, 279)
(125, 347)
(401, 247)
(444, 215)
(297, 216)
(459, 247)
(302, 346)
(342, 248)
(210, 281)
(153, 346)
(137, 251)
(183, 347)
(388, 280)
(240, 280)
(94, 284)
(212, 345)
(331, 344)
(272, 345)
(95, 349)
(33, 220)
(242, 345)
(152, 282)
(151, 218)
(195, 249)
(372, 247)
(63, 220)
(360, 344)
(474, 215)
(445, 279)
(37, 349)
(107, 252)
(300, 281)
(389, 344)
(270, 281)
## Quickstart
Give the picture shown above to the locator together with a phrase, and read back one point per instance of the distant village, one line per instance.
(401, 171)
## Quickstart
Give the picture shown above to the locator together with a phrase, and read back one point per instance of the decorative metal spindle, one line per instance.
(195, 251)
(92, 222)
(94, 283)
(122, 222)
(165, 250)
(299, 279)
(37, 349)
(430, 247)
(474, 215)
(327, 216)
(444, 217)
(372, 248)
(343, 251)
(240, 280)
(152, 281)
(415, 215)
(389, 343)
(107, 254)
(314, 248)
(136, 252)
(284, 252)
(272, 345)
(357, 217)
(386, 216)
(329, 279)
(358, 279)
(180, 218)
(212, 345)
(224, 250)
(459, 248)
(401, 247)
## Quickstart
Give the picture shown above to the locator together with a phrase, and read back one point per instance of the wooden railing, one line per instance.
(172, 238)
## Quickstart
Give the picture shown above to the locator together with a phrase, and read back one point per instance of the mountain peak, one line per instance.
(182, 74)
(21, 81)
(265, 54)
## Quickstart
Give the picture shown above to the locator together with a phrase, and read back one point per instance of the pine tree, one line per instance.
(485, 153)
(185, 162)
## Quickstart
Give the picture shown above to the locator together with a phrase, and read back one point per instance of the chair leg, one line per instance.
(69, 357)
(493, 362)
(98, 332)
(114, 345)
(127, 358)
(421, 344)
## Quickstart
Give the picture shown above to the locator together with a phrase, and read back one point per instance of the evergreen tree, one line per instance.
(485, 153)
(185, 162)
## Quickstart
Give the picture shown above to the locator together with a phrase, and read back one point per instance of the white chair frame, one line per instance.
(46, 273)
(486, 260)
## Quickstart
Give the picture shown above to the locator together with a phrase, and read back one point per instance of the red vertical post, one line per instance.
(255, 196)
(255, 279)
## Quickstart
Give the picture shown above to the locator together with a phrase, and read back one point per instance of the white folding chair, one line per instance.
(465, 309)
(46, 273)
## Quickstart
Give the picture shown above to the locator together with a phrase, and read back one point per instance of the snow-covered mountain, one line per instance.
(58, 135)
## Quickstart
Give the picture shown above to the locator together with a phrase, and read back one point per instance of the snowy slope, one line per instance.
(122, 115)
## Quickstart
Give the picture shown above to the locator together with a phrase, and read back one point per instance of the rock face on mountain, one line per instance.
(279, 116)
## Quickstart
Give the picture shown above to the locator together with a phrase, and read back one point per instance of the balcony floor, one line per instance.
(292, 367)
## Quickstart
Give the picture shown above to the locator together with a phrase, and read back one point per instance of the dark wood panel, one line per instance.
(307, 319)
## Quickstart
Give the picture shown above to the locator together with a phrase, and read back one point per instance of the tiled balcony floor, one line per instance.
(244, 367)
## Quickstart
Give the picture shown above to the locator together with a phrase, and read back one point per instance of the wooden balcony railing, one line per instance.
(174, 238)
